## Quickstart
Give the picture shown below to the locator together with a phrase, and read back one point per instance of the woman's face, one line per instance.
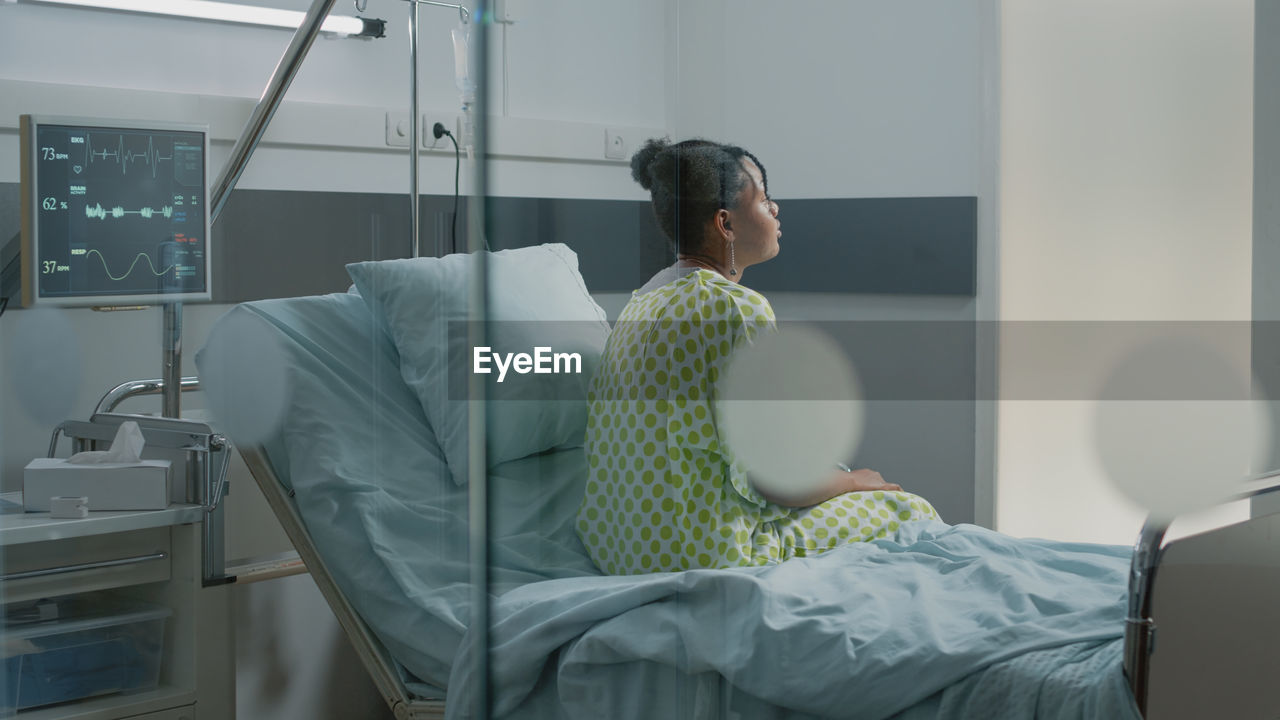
(755, 221)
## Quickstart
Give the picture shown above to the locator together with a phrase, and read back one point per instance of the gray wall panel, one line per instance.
(618, 243)
(892, 246)
(272, 243)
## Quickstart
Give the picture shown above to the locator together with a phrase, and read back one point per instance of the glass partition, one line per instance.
(559, 353)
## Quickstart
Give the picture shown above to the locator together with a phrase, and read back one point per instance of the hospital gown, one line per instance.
(664, 492)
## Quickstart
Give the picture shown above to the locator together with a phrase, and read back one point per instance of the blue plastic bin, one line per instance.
(94, 645)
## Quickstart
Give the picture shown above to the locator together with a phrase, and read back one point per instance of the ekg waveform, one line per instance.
(123, 156)
(101, 213)
(132, 265)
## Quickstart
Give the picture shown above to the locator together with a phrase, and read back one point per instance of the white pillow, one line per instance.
(537, 298)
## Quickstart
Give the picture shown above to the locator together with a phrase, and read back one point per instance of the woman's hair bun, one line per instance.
(642, 161)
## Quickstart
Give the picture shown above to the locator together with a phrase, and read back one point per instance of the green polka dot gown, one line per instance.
(663, 493)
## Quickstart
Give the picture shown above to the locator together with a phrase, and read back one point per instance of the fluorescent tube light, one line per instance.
(233, 13)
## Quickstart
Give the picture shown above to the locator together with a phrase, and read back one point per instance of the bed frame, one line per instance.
(1212, 601)
(1216, 596)
(373, 654)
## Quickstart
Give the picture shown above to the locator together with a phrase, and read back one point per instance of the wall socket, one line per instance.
(615, 145)
(450, 123)
(398, 130)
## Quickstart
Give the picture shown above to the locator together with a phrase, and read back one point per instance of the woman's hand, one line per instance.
(838, 482)
(864, 480)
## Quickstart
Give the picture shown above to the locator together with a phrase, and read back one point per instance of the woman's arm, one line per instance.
(838, 482)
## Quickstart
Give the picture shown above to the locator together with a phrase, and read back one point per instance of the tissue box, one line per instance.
(143, 485)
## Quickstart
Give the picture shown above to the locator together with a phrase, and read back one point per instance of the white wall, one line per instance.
(562, 65)
(1125, 194)
(839, 98)
(559, 67)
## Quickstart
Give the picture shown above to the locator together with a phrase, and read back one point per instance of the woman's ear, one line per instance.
(722, 223)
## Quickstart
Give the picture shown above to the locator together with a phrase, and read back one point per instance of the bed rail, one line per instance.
(373, 654)
(1148, 553)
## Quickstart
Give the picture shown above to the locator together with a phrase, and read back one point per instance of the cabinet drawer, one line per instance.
(81, 564)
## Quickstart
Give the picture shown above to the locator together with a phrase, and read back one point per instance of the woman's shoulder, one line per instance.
(704, 294)
(728, 298)
(706, 283)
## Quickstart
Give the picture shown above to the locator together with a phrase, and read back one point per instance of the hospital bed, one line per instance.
(936, 622)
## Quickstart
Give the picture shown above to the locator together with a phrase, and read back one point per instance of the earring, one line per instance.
(733, 266)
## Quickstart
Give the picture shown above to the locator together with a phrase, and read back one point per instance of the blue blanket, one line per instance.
(940, 622)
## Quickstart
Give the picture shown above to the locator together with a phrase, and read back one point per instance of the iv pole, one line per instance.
(415, 219)
(415, 115)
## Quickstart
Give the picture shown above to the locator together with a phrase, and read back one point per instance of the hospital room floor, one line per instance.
(292, 660)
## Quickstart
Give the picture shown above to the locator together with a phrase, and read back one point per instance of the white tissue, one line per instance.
(126, 448)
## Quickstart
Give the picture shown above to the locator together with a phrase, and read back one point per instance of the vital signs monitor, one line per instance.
(114, 213)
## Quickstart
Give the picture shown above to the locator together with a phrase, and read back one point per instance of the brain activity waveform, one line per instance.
(132, 265)
(123, 156)
(101, 213)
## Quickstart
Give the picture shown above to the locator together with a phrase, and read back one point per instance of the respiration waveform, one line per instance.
(97, 211)
(123, 156)
(129, 272)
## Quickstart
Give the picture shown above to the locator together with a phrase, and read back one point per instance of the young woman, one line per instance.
(664, 491)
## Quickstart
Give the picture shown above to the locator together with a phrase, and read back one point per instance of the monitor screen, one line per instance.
(114, 213)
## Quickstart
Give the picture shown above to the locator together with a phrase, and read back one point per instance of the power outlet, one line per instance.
(615, 145)
(398, 129)
(429, 140)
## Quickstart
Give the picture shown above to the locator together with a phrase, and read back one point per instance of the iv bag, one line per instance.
(462, 63)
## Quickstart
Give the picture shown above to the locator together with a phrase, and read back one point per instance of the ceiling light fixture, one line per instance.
(231, 13)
